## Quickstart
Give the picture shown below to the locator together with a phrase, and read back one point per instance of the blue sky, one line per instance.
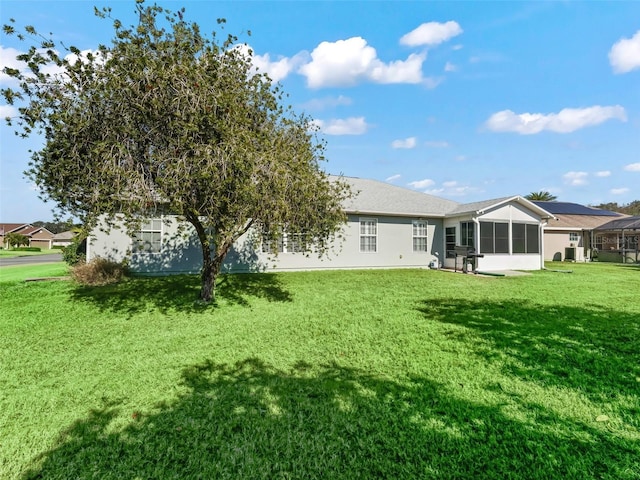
(464, 100)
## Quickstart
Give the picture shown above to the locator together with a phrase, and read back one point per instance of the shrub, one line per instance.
(76, 252)
(27, 249)
(98, 271)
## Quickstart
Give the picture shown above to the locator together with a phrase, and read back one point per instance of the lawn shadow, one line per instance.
(251, 420)
(590, 349)
(180, 293)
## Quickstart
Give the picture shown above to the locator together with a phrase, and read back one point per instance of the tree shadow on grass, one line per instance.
(251, 420)
(591, 350)
(180, 293)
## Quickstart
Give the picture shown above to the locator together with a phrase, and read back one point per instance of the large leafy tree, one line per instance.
(168, 119)
(542, 196)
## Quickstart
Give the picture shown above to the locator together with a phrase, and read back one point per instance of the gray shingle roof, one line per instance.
(375, 197)
(478, 206)
(628, 223)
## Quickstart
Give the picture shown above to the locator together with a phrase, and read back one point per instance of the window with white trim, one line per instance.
(272, 245)
(450, 242)
(525, 238)
(149, 238)
(494, 237)
(294, 242)
(368, 235)
(574, 237)
(419, 235)
(467, 236)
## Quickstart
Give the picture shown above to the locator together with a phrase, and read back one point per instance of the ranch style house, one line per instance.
(387, 227)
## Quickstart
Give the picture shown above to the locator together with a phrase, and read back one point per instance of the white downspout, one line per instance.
(542, 225)
(476, 240)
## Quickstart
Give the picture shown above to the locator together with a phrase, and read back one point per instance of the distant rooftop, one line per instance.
(627, 223)
(566, 208)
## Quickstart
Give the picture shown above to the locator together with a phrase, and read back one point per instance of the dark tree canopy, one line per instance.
(542, 196)
(56, 227)
(168, 119)
(631, 208)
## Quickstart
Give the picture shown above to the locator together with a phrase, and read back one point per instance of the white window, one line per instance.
(149, 238)
(574, 237)
(368, 235)
(419, 236)
(272, 246)
(285, 243)
(294, 243)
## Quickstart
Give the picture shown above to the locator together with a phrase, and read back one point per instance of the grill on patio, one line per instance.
(469, 256)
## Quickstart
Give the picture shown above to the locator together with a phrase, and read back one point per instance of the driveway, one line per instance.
(31, 259)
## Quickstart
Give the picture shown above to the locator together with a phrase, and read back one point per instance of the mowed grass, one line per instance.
(350, 374)
(14, 273)
(20, 253)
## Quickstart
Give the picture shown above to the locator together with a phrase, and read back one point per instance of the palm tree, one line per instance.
(542, 196)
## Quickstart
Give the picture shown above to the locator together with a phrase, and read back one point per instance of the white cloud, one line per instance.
(624, 56)
(450, 67)
(603, 173)
(431, 33)
(327, 102)
(575, 179)
(406, 143)
(399, 71)
(437, 144)
(276, 69)
(460, 158)
(618, 191)
(346, 126)
(420, 184)
(567, 120)
(452, 189)
(8, 59)
(348, 62)
(393, 178)
(632, 167)
(7, 111)
(432, 82)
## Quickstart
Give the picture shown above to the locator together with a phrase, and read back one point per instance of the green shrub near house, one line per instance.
(335, 374)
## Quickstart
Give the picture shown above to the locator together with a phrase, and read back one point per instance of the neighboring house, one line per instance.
(618, 240)
(63, 239)
(570, 237)
(38, 236)
(387, 227)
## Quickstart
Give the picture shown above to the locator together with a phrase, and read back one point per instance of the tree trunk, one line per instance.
(211, 266)
(208, 276)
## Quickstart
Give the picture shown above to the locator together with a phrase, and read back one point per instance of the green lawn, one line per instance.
(17, 273)
(20, 253)
(354, 374)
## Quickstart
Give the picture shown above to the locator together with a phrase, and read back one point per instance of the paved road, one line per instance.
(31, 260)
